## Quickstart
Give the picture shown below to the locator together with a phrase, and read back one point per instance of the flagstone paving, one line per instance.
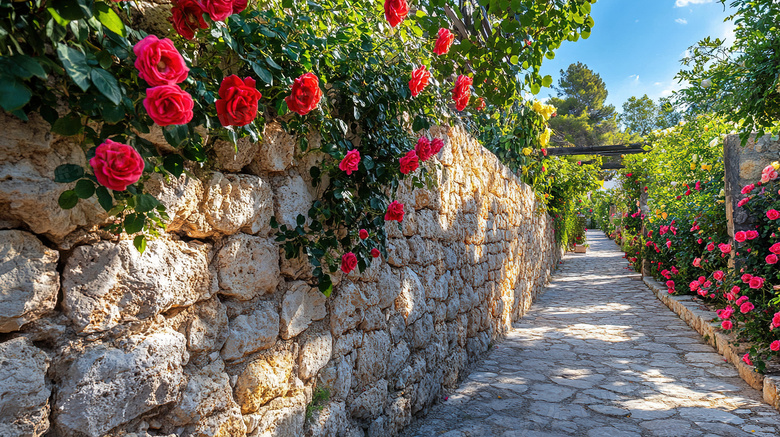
(598, 355)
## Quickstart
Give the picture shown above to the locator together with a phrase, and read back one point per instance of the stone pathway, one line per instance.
(598, 355)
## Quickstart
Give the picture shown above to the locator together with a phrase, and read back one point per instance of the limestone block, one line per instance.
(253, 332)
(372, 357)
(315, 353)
(29, 153)
(411, 300)
(232, 203)
(427, 391)
(346, 308)
(282, 417)
(110, 283)
(301, 305)
(127, 382)
(24, 392)
(398, 252)
(428, 224)
(207, 328)
(422, 330)
(208, 396)
(233, 158)
(347, 343)
(373, 319)
(441, 287)
(337, 376)
(298, 267)
(248, 267)
(29, 281)
(411, 373)
(265, 378)
(388, 286)
(329, 421)
(276, 151)
(397, 358)
(181, 197)
(399, 413)
(371, 403)
(292, 198)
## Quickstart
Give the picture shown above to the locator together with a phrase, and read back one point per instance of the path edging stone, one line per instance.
(700, 320)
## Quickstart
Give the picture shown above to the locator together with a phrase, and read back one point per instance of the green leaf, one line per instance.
(104, 198)
(13, 94)
(107, 85)
(263, 74)
(68, 199)
(85, 188)
(71, 9)
(272, 64)
(29, 65)
(110, 19)
(113, 114)
(145, 203)
(140, 243)
(326, 286)
(547, 81)
(175, 134)
(67, 126)
(174, 164)
(134, 223)
(66, 173)
(75, 64)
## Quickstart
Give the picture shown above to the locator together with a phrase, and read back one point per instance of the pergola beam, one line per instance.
(613, 150)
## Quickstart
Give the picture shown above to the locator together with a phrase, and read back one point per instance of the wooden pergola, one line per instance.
(615, 150)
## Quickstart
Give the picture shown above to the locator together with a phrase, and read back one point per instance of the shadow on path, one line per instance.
(598, 355)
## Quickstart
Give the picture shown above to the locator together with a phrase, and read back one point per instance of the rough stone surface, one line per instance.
(263, 379)
(233, 158)
(24, 390)
(248, 267)
(145, 373)
(302, 304)
(276, 152)
(249, 333)
(599, 356)
(108, 283)
(29, 281)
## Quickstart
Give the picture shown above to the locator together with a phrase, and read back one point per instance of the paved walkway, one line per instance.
(598, 355)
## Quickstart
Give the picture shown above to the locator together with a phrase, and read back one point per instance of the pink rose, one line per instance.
(395, 211)
(668, 244)
(746, 277)
(771, 259)
(409, 162)
(741, 300)
(670, 284)
(775, 346)
(158, 62)
(748, 188)
(348, 262)
(726, 324)
(746, 359)
(718, 275)
(742, 202)
(116, 165)
(740, 236)
(724, 248)
(694, 285)
(756, 282)
(772, 214)
(775, 248)
(423, 149)
(674, 270)
(697, 262)
(775, 321)
(168, 105)
(350, 162)
(746, 307)
(218, 10)
(710, 247)
(751, 235)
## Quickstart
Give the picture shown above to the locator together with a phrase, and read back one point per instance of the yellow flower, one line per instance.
(546, 111)
(664, 215)
(544, 138)
(706, 167)
(693, 166)
(526, 151)
(776, 165)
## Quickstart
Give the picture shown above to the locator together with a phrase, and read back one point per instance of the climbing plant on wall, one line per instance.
(377, 71)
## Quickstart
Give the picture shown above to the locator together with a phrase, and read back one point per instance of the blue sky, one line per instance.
(636, 45)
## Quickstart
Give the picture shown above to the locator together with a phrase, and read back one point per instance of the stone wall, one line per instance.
(211, 333)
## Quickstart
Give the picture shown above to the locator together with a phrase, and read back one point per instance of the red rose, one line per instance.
(462, 92)
(187, 18)
(436, 146)
(443, 42)
(348, 262)
(746, 277)
(396, 11)
(239, 6)
(395, 211)
(740, 236)
(168, 104)
(710, 247)
(775, 345)
(725, 248)
(350, 162)
(718, 275)
(237, 104)
(481, 104)
(116, 165)
(419, 80)
(375, 252)
(775, 248)
(218, 10)
(423, 149)
(751, 235)
(771, 259)
(363, 234)
(772, 214)
(756, 282)
(305, 94)
(727, 324)
(544, 152)
(158, 62)
(409, 162)
(746, 359)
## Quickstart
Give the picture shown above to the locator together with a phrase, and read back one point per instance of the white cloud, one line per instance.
(635, 78)
(681, 21)
(684, 3)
